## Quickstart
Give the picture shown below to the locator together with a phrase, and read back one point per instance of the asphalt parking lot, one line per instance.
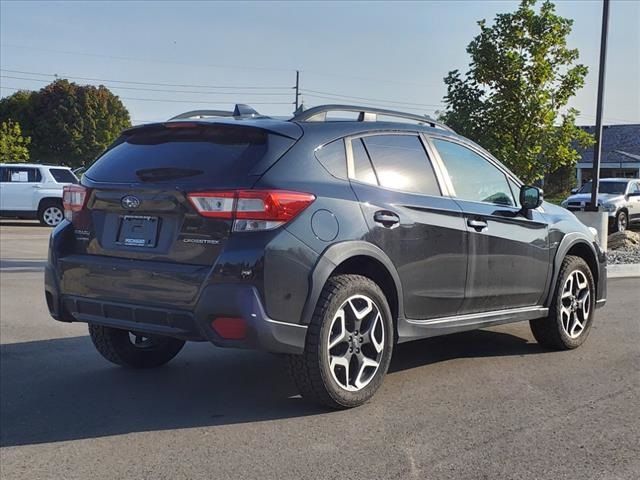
(481, 405)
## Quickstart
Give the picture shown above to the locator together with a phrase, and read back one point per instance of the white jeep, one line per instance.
(34, 191)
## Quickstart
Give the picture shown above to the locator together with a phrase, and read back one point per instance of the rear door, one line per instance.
(18, 188)
(421, 231)
(137, 205)
(508, 251)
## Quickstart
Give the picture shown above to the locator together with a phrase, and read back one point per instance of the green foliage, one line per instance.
(13, 146)
(513, 100)
(69, 124)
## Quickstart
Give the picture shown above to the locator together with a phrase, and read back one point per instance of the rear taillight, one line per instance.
(74, 198)
(252, 210)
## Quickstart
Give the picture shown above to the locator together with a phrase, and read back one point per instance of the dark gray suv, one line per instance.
(325, 238)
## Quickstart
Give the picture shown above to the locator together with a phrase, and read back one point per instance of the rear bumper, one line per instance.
(228, 300)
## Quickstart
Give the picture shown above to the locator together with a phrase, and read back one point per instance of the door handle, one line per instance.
(386, 218)
(478, 225)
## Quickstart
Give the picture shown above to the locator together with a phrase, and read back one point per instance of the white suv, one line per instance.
(33, 191)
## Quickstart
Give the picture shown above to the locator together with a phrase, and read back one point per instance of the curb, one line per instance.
(627, 270)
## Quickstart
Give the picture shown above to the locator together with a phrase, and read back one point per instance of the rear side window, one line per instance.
(62, 175)
(332, 157)
(473, 177)
(21, 175)
(401, 163)
(190, 154)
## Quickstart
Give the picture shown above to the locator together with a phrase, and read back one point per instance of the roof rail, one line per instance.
(366, 114)
(240, 110)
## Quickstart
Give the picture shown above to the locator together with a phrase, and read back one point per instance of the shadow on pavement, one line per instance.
(57, 390)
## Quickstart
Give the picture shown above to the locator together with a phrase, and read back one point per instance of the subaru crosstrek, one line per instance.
(326, 239)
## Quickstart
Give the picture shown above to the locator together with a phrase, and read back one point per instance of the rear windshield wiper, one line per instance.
(168, 173)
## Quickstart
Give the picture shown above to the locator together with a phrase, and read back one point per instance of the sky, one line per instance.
(164, 57)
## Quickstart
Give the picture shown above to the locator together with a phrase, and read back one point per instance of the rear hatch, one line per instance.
(136, 204)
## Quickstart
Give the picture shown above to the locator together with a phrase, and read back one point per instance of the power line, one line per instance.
(213, 87)
(395, 102)
(156, 89)
(163, 100)
(146, 60)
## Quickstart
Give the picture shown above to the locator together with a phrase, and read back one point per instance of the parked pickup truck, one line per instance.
(619, 197)
(34, 191)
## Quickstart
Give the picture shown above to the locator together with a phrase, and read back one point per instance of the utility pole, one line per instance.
(297, 88)
(597, 149)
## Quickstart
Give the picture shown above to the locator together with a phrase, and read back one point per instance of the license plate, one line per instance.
(138, 231)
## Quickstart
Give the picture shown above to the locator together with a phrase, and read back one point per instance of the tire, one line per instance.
(120, 348)
(622, 222)
(570, 304)
(345, 375)
(50, 213)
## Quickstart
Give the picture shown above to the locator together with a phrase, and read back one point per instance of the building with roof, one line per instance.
(620, 153)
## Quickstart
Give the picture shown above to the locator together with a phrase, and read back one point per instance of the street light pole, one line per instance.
(597, 149)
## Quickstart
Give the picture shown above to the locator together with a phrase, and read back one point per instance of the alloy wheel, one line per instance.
(576, 304)
(52, 216)
(622, 222)
(356, 343)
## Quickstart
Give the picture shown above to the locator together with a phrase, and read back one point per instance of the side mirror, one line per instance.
(530, 197)
(574, 190)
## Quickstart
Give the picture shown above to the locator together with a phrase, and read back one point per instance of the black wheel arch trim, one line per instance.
(569, 241)
(332, 257)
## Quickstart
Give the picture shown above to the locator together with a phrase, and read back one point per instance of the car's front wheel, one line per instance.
(348, 346)
(132, 349)
(621, 222)
(572, 308)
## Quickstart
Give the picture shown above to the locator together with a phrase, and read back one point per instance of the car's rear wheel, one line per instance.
(348, 346)
(133, 349)
(572, 308)
(50, 213)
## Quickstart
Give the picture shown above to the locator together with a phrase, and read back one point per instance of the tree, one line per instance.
(13, 146)
(513, 100)
(69, 123)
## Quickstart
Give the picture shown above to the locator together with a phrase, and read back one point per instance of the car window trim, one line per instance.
(428, 154)
(508, 175)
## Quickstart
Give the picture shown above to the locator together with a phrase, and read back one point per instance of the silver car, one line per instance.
(619, 197)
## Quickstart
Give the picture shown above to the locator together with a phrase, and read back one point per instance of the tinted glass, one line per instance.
(635, 188)
(616, 188)
(332, 157)
(21, 175)
(62, 175)
(473, 177)
(515, 190)
(194, 154)
(401, 163)
(361, 163)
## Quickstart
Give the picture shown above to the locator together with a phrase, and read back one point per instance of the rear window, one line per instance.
(62, 175)
(225, 153)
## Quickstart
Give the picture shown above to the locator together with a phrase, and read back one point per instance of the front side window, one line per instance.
(613, 188)
(473, 177)
(401, 163)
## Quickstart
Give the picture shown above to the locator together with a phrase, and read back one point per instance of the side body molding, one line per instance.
(334, 256)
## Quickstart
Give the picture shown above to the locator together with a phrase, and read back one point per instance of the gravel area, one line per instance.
(624, 248)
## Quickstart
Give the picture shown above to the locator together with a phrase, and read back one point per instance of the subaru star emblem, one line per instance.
(130, 202)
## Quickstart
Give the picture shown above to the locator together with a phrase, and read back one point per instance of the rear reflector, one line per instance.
(74, 198)
(252, 209)
(230, 328)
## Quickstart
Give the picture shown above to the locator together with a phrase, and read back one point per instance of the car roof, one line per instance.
(626, 180)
